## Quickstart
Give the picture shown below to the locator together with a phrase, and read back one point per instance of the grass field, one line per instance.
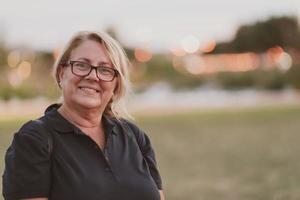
(215, 155)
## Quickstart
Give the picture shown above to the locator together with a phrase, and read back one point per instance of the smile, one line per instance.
(88, 89)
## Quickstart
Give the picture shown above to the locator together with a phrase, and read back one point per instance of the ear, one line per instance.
(60, 73)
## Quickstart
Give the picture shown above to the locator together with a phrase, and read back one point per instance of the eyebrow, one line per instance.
(88, 60)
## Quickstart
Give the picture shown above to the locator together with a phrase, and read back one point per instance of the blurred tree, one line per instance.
(3, 55)
(271, 80)
(258, 37)
(293, 76)
(235, 80)
(260, 79)
(3, 48)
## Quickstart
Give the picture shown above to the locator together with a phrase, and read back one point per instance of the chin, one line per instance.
(89, 103)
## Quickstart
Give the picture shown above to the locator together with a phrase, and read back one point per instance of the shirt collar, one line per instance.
(62, 125)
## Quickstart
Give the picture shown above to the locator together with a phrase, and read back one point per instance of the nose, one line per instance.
(92, 75)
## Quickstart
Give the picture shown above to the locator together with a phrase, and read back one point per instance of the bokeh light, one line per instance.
(14, 58)
(24, 70)
(273, 55)
(209, 46)
(176, 51)
(194, 64)
(142, 55)
(285, 61)
(13, 78)
(178, 64)
(190, 44)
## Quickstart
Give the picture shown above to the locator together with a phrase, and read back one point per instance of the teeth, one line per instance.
(88, 89)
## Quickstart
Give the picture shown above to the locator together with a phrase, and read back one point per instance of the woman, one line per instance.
(84, 148)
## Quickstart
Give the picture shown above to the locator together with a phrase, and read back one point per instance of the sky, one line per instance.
(153, 24)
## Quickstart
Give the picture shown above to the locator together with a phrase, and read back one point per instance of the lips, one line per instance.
(89, 89)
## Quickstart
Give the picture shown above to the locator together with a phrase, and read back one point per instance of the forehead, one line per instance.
(90, 50)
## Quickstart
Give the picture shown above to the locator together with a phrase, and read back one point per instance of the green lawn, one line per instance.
(215, 155)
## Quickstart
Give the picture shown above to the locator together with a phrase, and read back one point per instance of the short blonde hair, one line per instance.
(116, 108)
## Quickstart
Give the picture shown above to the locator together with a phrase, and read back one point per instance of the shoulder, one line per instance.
(34, 129)
(138, 132)
(131, 129)
(41, 124)
(29, 142)
(126, 126)
(141, 137)
(131, 125)
(32, 125)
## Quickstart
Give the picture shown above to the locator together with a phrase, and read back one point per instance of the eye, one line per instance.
(105, 70)
(81, 66)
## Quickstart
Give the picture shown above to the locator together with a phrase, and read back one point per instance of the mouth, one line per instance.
(89, 89)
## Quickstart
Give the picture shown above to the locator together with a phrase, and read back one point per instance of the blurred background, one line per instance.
(215, 85)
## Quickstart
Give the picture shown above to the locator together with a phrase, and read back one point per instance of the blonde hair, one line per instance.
(116, 108)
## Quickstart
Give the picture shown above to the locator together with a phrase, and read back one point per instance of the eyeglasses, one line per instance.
(83, 69)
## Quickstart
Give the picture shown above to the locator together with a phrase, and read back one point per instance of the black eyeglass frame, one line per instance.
(71, 62)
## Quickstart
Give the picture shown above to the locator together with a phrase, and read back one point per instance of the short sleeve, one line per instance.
(148, 153)
(27, 164)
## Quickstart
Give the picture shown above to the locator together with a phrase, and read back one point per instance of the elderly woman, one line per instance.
(84, 148)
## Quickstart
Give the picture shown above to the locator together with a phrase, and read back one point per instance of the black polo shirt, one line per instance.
(50, 157)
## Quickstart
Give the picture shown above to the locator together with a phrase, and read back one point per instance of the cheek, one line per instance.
(68, 84)
(110, 86)
(109, 93)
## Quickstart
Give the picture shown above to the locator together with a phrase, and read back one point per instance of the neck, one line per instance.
(87, 118)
